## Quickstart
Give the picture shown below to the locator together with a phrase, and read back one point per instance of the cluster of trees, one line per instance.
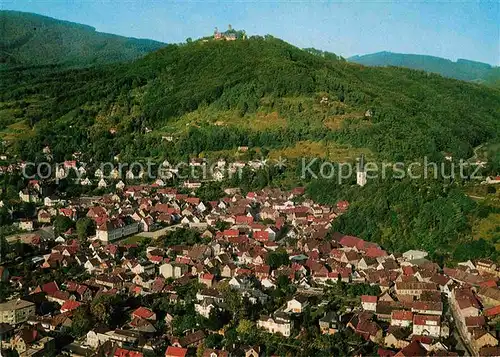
(106, 310)
(84, 226)
(275, 259)
(182, 236)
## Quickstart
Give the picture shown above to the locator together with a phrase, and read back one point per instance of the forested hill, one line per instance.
(258, 92)
(29, 39)
(461, 69)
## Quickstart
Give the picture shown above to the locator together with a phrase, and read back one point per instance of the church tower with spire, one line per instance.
(361, 172)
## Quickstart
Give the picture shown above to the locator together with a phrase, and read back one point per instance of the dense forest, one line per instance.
(211, 94)
(31, 40)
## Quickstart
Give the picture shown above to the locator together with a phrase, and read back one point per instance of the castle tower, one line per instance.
(361, 172)
(217, 34)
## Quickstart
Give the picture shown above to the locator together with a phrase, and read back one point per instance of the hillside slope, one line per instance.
(461, 69)
(260, 92)
(29, 39)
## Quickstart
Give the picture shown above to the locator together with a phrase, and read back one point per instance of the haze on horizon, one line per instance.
(453, 29)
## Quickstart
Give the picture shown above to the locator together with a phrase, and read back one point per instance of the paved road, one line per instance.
(160, 232)
(461, 344)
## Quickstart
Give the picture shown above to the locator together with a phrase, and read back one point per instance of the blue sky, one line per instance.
(451, 29)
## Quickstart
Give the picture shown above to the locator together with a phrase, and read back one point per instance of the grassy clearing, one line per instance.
(336, 122)
(16, 130)
(489, 229)
(132, 240)
(9, 116)
(259, 121)
(330, 150)
(229, 153)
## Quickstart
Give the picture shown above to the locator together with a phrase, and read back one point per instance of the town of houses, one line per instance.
(421, 306)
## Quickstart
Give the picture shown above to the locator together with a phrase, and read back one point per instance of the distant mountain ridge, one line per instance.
(462, 69)
(28, 39)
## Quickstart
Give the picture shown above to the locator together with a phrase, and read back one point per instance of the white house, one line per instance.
(160, 182)
(173, 270)
(401, 318)
(86, 182)
(297, 304)
(81, 171)
(102, 183)
(369, 302)
(275, 325)
(115, 229)
(427, 325)
(115, 174)
(492, 180)
(414, 254)
(267, 283)
(60, 172)
(96, 338)
(204, 307)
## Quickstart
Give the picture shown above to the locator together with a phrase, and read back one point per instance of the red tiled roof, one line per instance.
(243, 219)
(231, 233)
(121, 352)
(408, 270)
(193, 200)
(414, 349)
(385, 353)
(68, 212)
(342, 205)
(265, 269)
(367, 327)
(70, 305)
(50, 288)
(402, 315)
(492, 311)
(175, 352)
(350, 241)
(423, 319)
(143, 312)
(156, 258)
(488, 284)
(427, 305)
(368, 298)
(374, 252)
(207, 277)
(474, 321)
(300, 191)
(261, 236)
